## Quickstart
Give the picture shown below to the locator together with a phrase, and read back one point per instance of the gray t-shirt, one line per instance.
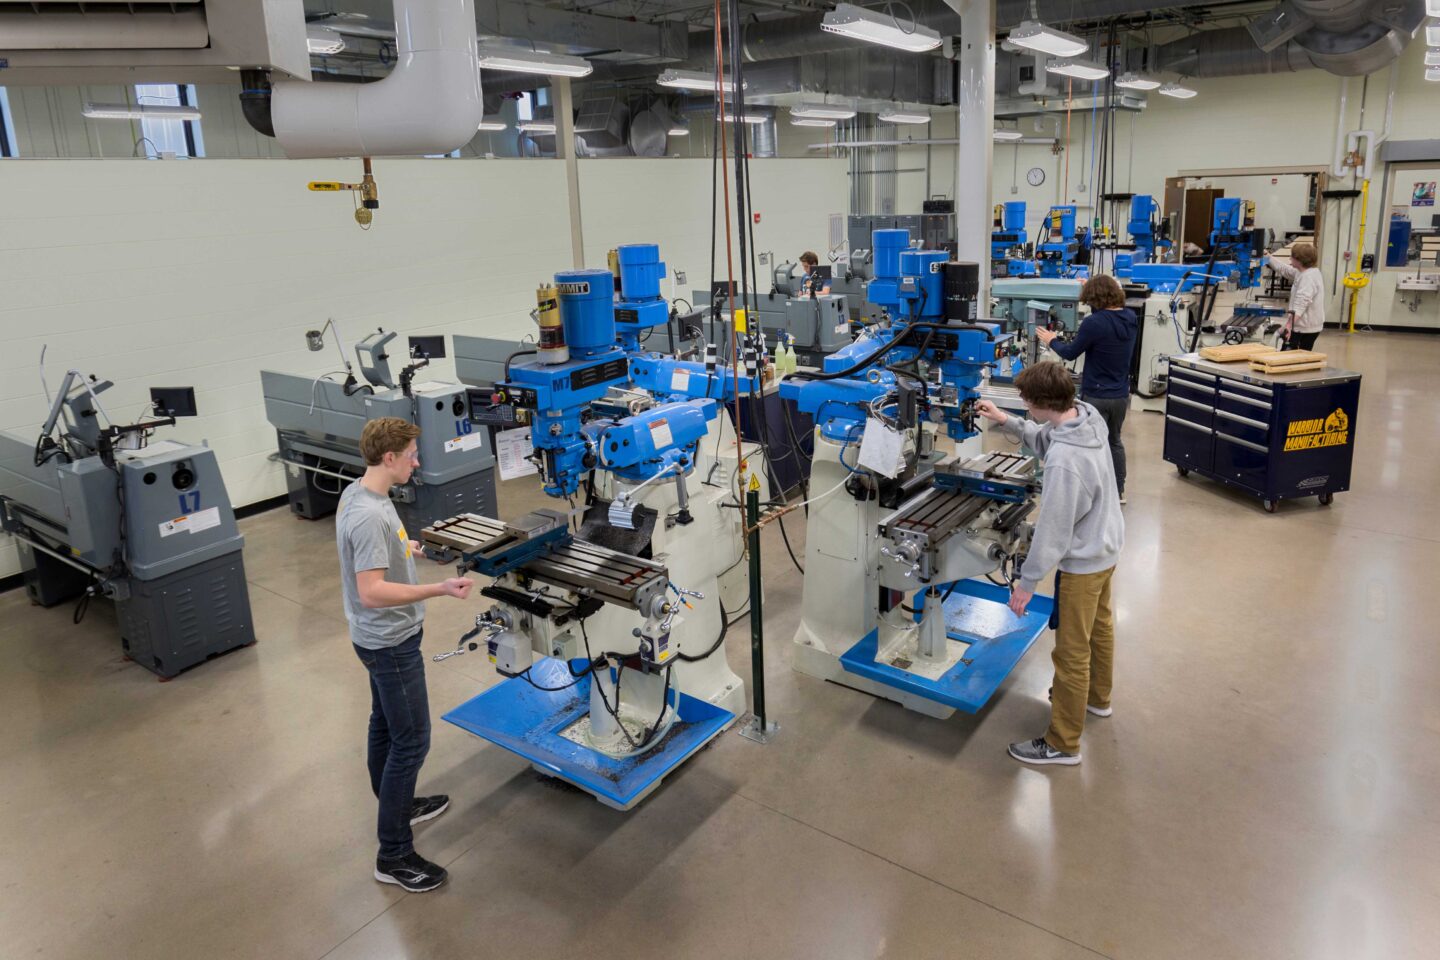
(370, 536)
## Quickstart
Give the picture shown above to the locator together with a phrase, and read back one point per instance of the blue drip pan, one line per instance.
(976, 613)
(528, 721)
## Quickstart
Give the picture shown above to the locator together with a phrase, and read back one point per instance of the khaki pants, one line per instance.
(1084, 655)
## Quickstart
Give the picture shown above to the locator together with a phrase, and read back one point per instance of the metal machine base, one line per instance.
(173, 623)
(993, 639)
(530, 722)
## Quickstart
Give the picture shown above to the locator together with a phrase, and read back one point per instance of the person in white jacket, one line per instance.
(1305, 316)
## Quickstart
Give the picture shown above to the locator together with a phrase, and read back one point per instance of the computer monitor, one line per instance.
(427, 348)
(824, 271)
(173, 401)
(1307, 221)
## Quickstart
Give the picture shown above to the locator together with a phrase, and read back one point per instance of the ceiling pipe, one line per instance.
(429, 103)
(1227, 53)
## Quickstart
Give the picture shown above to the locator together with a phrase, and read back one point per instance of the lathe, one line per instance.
(99, 509)
(318, 422)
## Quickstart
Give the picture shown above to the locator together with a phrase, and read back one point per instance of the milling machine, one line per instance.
(889, 515)
(616, 673)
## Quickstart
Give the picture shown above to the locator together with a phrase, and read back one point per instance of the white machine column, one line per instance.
(565, 149)
(975, 125)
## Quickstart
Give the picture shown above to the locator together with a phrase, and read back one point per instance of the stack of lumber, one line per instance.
(1289, 361)
(1232, 352)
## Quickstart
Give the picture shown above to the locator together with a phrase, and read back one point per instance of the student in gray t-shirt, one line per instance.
(384, 604)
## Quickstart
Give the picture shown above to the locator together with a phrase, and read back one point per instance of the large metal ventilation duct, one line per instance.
(1228, 53)
(430, 102)
(1344, 37)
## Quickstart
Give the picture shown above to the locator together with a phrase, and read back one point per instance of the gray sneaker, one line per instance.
(1038, 751)
(1099, 711)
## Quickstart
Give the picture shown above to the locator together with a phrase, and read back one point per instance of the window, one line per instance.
(7, 128)
(180, 137)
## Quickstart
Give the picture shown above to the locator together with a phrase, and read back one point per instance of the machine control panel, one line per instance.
(493, 407)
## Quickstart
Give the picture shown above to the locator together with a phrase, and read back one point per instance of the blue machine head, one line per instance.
(655, 441)
(1054, 256)
(910, 286)
(1142, 226)
(638, 269)
(587, 310)
(1008, 238)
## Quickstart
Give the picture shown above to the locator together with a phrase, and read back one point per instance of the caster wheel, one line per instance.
(1269, 506)
(1326, 499)
(1183, 471)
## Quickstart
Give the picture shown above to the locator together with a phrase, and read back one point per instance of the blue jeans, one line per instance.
(399, 737)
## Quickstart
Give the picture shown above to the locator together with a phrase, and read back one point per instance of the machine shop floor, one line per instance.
(1264, 789)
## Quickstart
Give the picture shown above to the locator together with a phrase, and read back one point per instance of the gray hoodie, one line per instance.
(1079, 528)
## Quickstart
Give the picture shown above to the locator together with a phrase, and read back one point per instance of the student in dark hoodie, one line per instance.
(1079, 532)
(1107, 340)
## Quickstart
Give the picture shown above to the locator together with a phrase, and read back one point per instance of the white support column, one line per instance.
(565, 150)
(975, 125)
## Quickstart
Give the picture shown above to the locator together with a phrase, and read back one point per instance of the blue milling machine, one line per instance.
(614, 672)
(895, 522)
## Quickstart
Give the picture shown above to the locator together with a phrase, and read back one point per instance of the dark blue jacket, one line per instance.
(1107, 339)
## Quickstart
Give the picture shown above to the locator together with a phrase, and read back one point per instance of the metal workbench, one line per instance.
(1277, 436)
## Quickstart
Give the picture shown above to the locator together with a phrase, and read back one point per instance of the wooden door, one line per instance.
(1200, 215)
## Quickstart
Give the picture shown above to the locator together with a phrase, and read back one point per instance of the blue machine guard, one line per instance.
(527, 721)
(977, 614)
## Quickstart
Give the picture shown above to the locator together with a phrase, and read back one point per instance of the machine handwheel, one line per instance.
(1326, 499)
(1269, 506)
(1183, 471)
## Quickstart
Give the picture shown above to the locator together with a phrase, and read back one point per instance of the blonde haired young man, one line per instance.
(384, 604)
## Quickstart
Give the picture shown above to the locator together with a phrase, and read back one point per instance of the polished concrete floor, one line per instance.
(1265, 789)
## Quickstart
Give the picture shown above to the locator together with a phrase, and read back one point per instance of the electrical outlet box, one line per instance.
(679, 278)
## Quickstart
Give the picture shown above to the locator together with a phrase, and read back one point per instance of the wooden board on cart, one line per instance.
(1233, 352)
(1289, 361)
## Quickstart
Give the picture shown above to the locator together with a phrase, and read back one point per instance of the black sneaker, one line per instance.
(428, 808)
(413, 872)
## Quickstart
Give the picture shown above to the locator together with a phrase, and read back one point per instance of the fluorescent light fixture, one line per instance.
(1432, 74)
(126, 111)
(521, 60)
(537, 127)
(900, 116)
(822, 111)
(694, 80)
(679, 131)
(1009, 136)
(745, 118)
(1079, 69)
(492, 126)
(1432, 58)
(322, 40)
(1043, 39)
(872, 26)
(1177, 91)
(1432, 35)
(811, 121)
(1137, 81)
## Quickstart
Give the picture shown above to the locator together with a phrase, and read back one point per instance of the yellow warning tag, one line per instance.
(754, 481)
(741, 321)
(325, 185)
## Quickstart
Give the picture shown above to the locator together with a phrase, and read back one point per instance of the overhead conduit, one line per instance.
(429, 103)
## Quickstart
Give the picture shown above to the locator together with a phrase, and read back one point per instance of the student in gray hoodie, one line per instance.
(1079, 532)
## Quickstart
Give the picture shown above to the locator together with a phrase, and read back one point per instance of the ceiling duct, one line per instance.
(1345, 37)
(603, 121)
(430, 102)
